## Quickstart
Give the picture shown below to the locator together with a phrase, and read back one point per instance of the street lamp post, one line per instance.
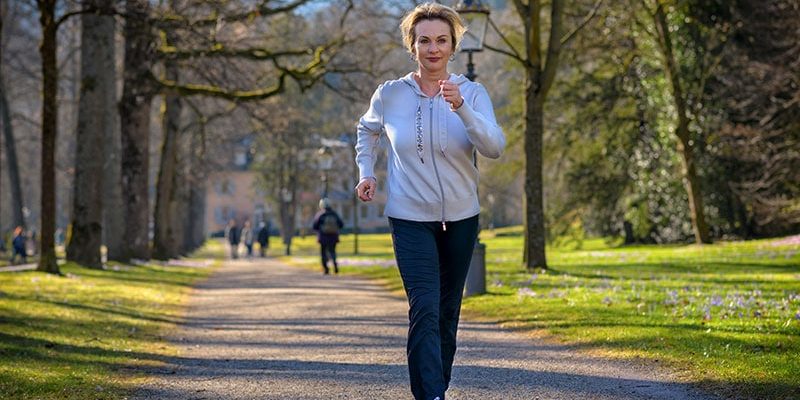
(476, 17)
(286, 217)
(325, 164)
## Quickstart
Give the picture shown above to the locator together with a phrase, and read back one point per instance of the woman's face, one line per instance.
(433, 45)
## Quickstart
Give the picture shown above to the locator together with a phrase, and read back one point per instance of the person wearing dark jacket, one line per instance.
(327, 224)
(18, 245)
(233, 234)
(263, 238)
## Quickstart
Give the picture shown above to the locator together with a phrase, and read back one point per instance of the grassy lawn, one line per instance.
(725, 315)
(78, 336)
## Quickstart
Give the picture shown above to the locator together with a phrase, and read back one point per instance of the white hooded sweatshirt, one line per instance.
(431, 173)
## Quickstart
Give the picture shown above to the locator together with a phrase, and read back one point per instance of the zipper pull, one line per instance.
(444, 227)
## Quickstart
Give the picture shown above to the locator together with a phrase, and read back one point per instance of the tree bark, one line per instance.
(685, 146)
(539, 77)
(195, 221)
(12, 163)
(134, 113)
(11, 157)
(534, 195)
(94, 125)
(165, 241)
(47, 50)
(113, 209)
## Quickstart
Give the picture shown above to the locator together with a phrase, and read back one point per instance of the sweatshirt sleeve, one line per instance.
(369, 130)
(482, 128)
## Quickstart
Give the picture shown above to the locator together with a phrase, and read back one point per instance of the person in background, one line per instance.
(434, 122)
(247, 238)
(263, 238)
(327, 224)
(18, 247)
(233, 235)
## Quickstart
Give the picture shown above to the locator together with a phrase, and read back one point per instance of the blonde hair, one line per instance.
(431, 11)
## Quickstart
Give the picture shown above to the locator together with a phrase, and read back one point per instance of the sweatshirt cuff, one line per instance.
(365, 171)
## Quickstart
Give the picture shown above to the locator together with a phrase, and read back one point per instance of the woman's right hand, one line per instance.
(366, 188)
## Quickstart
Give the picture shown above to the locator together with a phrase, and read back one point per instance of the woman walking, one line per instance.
(434, 121)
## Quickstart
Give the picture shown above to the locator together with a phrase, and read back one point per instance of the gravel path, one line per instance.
(263, 330)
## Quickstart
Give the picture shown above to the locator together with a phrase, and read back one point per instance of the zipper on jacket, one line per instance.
(433, 159)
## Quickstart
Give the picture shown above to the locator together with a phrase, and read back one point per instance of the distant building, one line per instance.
(231, 193)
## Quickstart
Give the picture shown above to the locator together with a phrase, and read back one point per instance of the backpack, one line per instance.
(329, 225)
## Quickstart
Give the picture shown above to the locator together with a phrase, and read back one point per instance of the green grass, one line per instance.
(726, 315)
(80, 336)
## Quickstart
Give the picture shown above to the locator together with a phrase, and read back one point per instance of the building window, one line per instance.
(224, 187)
(346, 213)
(364, 211)
(240, 159)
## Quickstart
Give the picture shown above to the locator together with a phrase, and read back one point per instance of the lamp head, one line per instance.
(476, 17)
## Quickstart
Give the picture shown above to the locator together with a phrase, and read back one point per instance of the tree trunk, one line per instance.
(287, 226)
(11, 157)
(10, 143)
(692, 183)
(47, 50)
(685, 147)
(165, 242)
(195, 221)
(113, 209)
(534, 204)
(134, 110)
(179, 207)
(193, 232)
(93, 131)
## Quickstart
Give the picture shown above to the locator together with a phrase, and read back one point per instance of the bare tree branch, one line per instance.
(569, 36)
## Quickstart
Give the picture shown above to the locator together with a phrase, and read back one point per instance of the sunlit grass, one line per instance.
(80, 336)
(725, 315)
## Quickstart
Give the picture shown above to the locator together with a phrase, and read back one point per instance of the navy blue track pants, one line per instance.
(433, 264)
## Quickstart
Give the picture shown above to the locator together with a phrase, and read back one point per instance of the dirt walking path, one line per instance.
(264, 330)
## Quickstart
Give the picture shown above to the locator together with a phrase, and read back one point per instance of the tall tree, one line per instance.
(47, 51)
(540, 73)
(113, 209)
(94, 126)
(134, 111)
(165, 241)
(12, 163)
(686, 143)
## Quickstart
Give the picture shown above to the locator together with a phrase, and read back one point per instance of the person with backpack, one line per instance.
(327, 224)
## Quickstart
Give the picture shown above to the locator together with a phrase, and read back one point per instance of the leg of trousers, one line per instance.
(433, 264)
(323, 249)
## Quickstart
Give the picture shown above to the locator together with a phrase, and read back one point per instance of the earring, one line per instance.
(413, 57)
(453, 57)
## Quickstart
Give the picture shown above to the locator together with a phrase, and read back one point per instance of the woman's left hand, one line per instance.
(451, 94)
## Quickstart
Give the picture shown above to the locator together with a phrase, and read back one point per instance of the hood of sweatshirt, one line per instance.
(458, 79)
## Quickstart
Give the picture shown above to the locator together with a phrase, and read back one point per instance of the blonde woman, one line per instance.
(434, 121)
